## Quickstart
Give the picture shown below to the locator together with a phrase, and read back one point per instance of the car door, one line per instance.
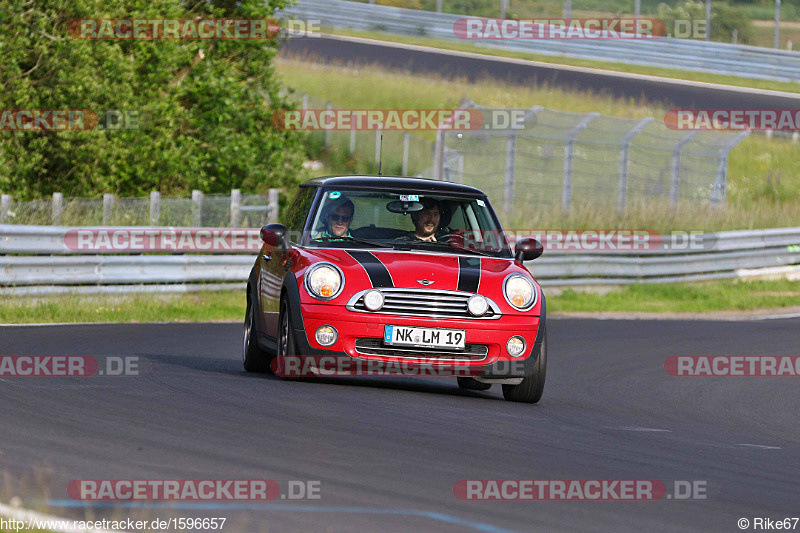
(274, 268)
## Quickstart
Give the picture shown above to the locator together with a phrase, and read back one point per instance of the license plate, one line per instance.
(452, 339)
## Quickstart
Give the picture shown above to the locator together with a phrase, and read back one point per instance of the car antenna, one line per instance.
(380, 156)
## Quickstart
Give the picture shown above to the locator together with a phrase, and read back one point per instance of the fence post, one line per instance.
(508, 191)
(108, 205)
(5, 205)
(720, 193)
(155, 207)
(511, 150)
(305, 102)
(329, 107)
(438, 6)
(438, 155)
(569, 141)
(197, 208)
(236, 203)
(58, 207)
(272, 216)
(446, 165)
(503, 8)
(622, 195)
(379, 145)
(439, 147)
(676, 167)
(406, 141)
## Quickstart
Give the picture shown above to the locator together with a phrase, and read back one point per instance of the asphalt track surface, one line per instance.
(681, 94)
(388, 451)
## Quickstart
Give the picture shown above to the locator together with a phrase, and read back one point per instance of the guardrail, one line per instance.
(115, 269)
(712, 57)
(34, 256)
(61, 240)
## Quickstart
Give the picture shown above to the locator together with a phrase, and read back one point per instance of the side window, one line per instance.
(458, 221)
(295, 216)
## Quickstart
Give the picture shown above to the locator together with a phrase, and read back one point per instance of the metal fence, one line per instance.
(200, 210)
(555, 157)
(33, 260)
(550, 157)
(712, 57)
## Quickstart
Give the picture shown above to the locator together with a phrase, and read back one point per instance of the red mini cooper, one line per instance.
(386, 275)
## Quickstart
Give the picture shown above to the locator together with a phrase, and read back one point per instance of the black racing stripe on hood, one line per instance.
(378, 273)
(469, 273)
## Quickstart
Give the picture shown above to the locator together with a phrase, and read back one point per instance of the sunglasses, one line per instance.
(340, 218)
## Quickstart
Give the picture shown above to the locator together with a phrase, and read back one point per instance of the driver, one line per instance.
(426, 222)
(336, 217)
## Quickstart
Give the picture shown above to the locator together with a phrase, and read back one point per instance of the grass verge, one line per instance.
(168, 307)
(704, 297)
(701, 297)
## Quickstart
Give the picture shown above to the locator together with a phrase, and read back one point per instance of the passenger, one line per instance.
(336, 217)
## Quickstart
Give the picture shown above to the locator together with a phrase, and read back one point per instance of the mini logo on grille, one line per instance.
(425, 282)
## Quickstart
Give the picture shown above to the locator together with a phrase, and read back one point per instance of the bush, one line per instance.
(724, 19)
(205, 105)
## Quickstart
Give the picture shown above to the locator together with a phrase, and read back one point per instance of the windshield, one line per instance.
(406, 220)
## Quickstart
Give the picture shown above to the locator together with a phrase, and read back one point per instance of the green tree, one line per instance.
(724, 19)
(204, 105)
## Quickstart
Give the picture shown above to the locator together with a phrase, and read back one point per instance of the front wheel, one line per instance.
(532, 386)
(287, 347)
(254, 359)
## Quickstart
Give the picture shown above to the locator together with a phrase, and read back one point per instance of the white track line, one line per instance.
(641, 429)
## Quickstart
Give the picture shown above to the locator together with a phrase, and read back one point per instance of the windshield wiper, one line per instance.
(451, 247)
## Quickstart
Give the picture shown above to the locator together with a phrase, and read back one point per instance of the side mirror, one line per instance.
(274, 235)
(527, 249)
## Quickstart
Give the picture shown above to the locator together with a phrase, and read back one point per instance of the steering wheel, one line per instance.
(447, 236)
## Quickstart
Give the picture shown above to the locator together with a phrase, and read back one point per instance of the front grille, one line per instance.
(416, 302)
(473, 352)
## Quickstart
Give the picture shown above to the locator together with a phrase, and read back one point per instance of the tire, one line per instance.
(472, 384)
(254, 359)
(532, 386)
(287, 347)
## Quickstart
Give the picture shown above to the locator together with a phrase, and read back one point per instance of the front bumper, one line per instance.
(344, 358)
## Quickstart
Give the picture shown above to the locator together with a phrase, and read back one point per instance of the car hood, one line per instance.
(364, 269)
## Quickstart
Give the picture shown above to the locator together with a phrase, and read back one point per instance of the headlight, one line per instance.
(477, 305)
(373, 300)
(324, 281)
(519, 291)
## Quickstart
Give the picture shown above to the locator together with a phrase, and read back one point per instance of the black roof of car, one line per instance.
(392, 183)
